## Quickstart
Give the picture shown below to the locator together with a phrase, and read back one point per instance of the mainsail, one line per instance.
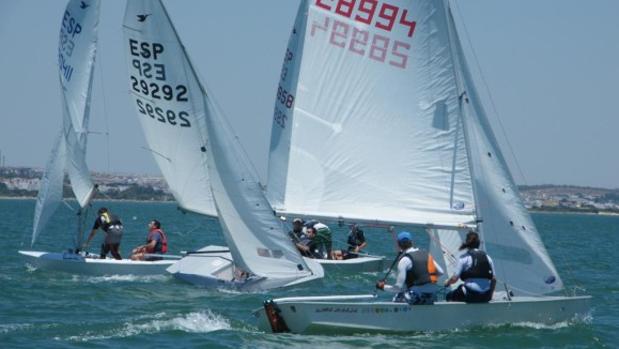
(169, 102)
(254, 235)
(366, 124)
(76, 58)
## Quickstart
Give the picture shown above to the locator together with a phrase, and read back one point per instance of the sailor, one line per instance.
(356, 242)
(321, 239)
(156, 243)
(298, 230)
(417, 274)
(306, 245)
(476, 270)
(113, 228)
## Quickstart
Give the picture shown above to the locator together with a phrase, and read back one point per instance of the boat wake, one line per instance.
(120, 278)
(196, 322)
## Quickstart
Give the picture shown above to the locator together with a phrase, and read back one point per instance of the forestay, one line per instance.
(254, 235)
(366, 123)
(169, 103)
(506, 228)
(76, 58)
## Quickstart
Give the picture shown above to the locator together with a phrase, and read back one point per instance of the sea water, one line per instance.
(41, 309)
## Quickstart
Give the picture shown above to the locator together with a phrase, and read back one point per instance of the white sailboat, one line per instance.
(77, 49)
(192, 139)
(394, 73)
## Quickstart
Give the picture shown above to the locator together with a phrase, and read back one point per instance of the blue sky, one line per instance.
(552, 67)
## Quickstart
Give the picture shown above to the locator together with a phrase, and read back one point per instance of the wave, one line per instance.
(197, 322)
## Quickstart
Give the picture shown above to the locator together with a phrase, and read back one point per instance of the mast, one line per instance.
(462, 98)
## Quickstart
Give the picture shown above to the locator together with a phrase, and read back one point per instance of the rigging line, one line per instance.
(157, 153)
(487, 88)
(69, 206)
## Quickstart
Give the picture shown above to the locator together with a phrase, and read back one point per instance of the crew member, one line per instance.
(417, 274)
(156, 243)
(321, 240)
(356, 242)
(113, 228)
(476, 270)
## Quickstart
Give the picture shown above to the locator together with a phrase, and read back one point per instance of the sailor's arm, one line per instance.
(90, 236)
(150, 246)
(361, 247)
(456, 276)
(400, 282)
(302, 247)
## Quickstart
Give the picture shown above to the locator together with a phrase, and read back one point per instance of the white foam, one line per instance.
(6, 328)
(198, 322)
(541, 326)
(122, 278)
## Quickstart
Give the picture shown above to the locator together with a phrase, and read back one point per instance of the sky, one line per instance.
(551, 68)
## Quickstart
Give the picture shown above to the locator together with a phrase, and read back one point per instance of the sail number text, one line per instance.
(385, 16)
(285, 99)
(377, 47)
(149, 83)
(70, 30)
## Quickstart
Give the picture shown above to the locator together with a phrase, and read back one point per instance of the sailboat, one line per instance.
(76, 52)
(196, 148)
(395, 132)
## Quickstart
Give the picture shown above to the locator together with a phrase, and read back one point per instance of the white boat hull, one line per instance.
(78, 264)
(212, 267)
(366, 264)
(352, 314)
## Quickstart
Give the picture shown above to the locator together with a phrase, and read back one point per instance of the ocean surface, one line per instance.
(41, 309)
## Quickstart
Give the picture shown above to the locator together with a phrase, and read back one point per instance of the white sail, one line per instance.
(169, 103)
(254, 235)
(366, 122)
(444, 246)
(50, 191)
(76, 59)
(508, 233)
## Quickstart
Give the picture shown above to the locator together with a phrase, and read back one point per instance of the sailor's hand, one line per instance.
(380, 284)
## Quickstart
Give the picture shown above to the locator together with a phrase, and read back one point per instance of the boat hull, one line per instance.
(367, 264)
(78, 264)
(212, 267)
(312, 315)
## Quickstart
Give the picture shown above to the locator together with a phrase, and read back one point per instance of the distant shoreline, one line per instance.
(574, 212)
(104, 199)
